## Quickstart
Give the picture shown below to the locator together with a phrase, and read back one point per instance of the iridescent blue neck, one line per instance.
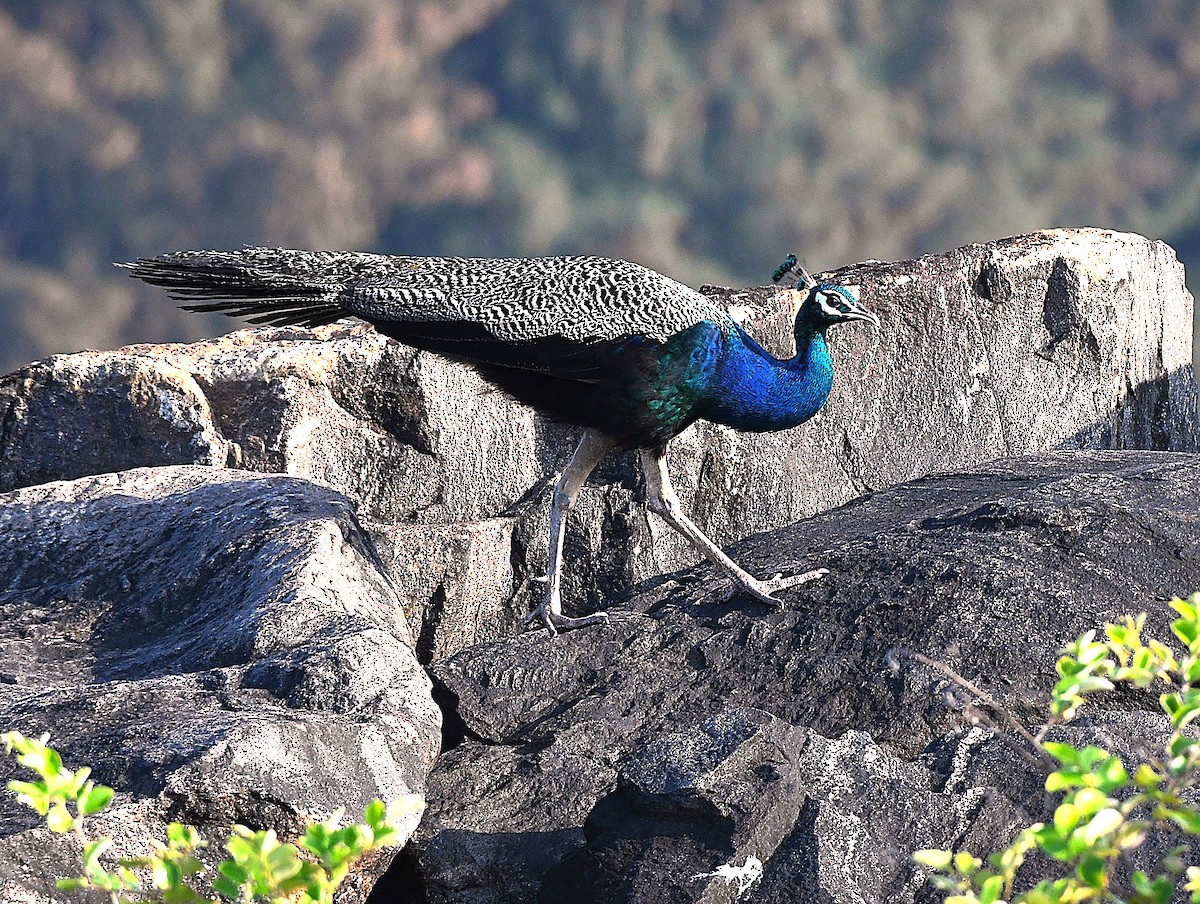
(752, 390)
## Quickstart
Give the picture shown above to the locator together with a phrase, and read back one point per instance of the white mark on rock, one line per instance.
(742, 876)
(980, 368)
(978, 372)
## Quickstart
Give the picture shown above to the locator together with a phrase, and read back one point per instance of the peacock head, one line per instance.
(823, 304)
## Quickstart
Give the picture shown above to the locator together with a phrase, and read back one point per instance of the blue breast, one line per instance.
(754, 391)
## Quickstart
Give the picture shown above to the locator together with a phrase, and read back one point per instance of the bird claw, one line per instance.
(556, 621)
(762, 590)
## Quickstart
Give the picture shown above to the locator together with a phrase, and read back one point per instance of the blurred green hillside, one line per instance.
(706, 138)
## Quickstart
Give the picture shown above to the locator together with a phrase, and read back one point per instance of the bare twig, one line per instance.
(1038, 757)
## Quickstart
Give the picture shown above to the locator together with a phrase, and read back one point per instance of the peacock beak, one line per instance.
(863, 314)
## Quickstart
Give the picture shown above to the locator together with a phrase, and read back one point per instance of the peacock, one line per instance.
(628, 354)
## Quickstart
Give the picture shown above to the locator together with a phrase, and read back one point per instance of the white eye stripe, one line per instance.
(832, 303)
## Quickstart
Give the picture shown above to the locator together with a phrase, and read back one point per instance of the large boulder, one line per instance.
(219, 646)
(656, 756)
(1061, 339)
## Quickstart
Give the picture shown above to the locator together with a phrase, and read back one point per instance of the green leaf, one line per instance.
(375, 812)
(227, 887)
(357, 838)
(1112, 774)
(92, 851)
(76, 884)
(32, 794)
(335, 818)
(991, 890)
(161, 874)
(1091, 871)
(59, 820)
(283, 862)
(386, 837)
(1187, 715)
(1162, 654)
(965, 863)
(95, 799)
(241, 848)
(1186, 630)
(1068, 668)
(1092, 654)
(1090, 684)
(182, 837)
(1152, 891)
(1064, 706)
(1187, 609)
(111, 883)
(78, 780)
(1064, 753)
(1146, 777)
(1104, 823)
(1089, 800)
(189, 866)
(1139, 677)
(1173, 862)
(1066, 817)
(1049, 840)
(33, 758)
(234, 872)
(1180, 745)
(53, 762)
(1186, 818)
(1132, 834)
(1193, 882)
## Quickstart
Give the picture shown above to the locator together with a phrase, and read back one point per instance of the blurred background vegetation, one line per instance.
(705, 138)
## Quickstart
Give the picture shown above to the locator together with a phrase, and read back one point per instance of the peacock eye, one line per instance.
(831, 302)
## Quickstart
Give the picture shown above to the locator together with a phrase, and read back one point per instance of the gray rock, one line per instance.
(341, 406)
(687, 804)
(866, 811)
(219, 646)
(465, 572)
(1062, 339)
(991, 570)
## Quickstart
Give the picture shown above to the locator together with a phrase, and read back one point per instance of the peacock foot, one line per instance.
(763, 590)
(555, 621)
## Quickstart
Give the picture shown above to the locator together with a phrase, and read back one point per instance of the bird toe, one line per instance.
(764, 591)
(779, 582)
(554, 622)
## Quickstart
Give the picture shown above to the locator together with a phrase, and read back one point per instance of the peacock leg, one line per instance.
(665, 503)
(593, 447)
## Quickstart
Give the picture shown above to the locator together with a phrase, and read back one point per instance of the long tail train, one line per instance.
(280, 295)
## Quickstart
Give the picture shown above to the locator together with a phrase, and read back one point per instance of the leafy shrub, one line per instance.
(1104, 811)
(259, 868)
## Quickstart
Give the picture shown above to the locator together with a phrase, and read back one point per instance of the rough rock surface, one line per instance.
(1062, 339)
(622, 761)
(219, 646)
